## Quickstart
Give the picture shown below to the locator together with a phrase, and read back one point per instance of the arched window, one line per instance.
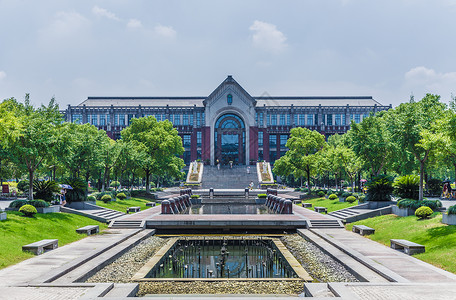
(229, 99)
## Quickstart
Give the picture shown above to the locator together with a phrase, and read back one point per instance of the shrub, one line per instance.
(115, 184)
(297, 189)
(28, 210)
(349, 189)
(305, 190)
(452, 210)
(135, 193)
(39, 203)
(339, 193)
(423, 212)
(45, 189)
(78, 193)
(380, 188)
(407, 186)
(106, 198)
(321, 194)
(434, 186)
(350, 199)
(121, 196)
(195, 196)
(23, 186)
(432, 204)
(409, 203)
(262, 195)
(361, 199)
(332, 197)
(346, 194)
(18, 203)
(91, 198)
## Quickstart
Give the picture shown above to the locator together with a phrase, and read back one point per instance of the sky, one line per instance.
(71, 50)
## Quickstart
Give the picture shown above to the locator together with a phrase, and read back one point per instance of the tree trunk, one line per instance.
(87, 181)
(335, 178)
(105, 177)
(132, 181)
(30, 184)
(147, 181)
(420, 197)
(308, 178)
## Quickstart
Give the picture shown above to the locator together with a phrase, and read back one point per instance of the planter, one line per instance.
(260, 200)
(379, 204)
(448, 219)
(402, 212)
(81, 205)
(196, 200)
(47, 210)
(341, 199)
(2, 216)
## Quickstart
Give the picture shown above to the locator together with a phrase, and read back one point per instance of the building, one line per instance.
(229, 124)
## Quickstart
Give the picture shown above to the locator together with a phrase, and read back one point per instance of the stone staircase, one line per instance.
(127, 224)
(325, 224)
(228, 178)
(95, 212)
(359, 212)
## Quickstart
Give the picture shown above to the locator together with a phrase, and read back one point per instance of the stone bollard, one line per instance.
(280, 206)
(172, 204)
(246, 192)
(166, 208)
(211, 193)
(287, 207)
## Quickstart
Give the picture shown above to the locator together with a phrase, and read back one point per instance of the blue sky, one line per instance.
(75, 49)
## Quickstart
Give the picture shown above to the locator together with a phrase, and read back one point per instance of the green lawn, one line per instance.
(331, 205)
(439, 239)
(17, 231)
(122, 205)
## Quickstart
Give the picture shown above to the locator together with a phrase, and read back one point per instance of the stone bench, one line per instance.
(297, 202)
(39, 247)
(89, 229)
(151, 204)
(307, 205)
(133, 209)
(410, 248)
(321, 209)
(363, 230)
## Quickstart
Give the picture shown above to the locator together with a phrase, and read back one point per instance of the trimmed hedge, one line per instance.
(28, 210)
(106, 198)
(423, 212)
(350, 199)
(121, 196)
(262, 196)
(452, 210)
(332, 197)
(321, 194)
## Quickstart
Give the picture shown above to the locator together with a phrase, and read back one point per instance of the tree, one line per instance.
(332, 155)
(162, 144)
(406, 124)
(304, 152)
(371, 142)
(32, 141)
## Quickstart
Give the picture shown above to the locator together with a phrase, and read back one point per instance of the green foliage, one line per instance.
(362, 198)
(106, 198)
(350, 199)
(195, 196)
(23, 186)
(380, 188)
(340, 193)
(135, 193)
(28, 210)
(121, 196)
(423, 212)
(346, 194)
(45, 189)
(262, 196)
(433, 204)
(297, 189)
(434, 186)
(321, 194)
(91, 198)
(18, 203)
(452, 210)
(407, 186)
(332, 197)
(78, 193)
(38, 203)
(415, 204)
(115, 184)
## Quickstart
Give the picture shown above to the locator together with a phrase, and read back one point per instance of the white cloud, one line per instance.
(267, 37)
(165, 31)
(426, 80)
(102, 12)
(65, 24)
(2, 75)
(134, 23)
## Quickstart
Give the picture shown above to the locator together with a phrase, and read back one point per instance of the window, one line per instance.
(198, 138)
(272, 140)
(295, 119)
(116, 120)
(256, 118)
(273, 120)
(283, 140)
(202, 119)
(76, 119)
(261, 119)
(260, 139)
(310, 120)
(198, 119)
(187, 140)
(288, 120)
(337, 119)
(108, 119)
(357, 118)
(130, 117)
(260, 154)
(185, 120)
(272, 156)
(191, 119)
(282, 119)
(302, 120)
(102, 120)
(176, 120)
(343, 119)
(268, 120)
(229, 99)
(122, 120)
(329, 119)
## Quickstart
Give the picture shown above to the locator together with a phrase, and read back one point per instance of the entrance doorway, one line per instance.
(230, 139)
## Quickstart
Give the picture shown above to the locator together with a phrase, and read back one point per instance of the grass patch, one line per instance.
(331, 205)
(17, 231)
(122, 205)
(438, 238)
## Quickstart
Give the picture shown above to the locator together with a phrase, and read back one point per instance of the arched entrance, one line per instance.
(230, 139)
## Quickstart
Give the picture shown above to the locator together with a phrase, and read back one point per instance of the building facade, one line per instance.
(229, 124)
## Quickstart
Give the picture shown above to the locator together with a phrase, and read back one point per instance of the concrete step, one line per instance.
(325, 224)
(127, 224)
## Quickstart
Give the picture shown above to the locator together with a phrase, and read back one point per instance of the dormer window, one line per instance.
(229, 99)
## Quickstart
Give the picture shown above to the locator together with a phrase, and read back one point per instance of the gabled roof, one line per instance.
(229, 81)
